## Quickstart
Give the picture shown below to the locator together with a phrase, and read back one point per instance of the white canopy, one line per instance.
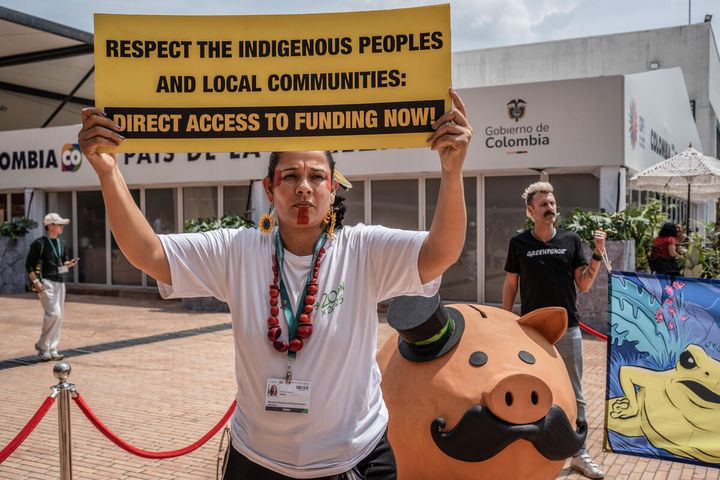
(688, 168)
(46, 72)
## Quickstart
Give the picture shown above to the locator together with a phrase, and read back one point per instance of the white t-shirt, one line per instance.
(363, 265)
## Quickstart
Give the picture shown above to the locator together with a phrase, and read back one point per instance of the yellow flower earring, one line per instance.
(329, 222)
(266, 222)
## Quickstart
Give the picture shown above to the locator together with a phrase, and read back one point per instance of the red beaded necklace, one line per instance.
(305, 326)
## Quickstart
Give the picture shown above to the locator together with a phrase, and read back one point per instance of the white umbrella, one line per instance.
(677, 175)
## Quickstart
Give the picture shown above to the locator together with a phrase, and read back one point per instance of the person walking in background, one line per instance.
(664, 255)
(549, 265)
(45, 265)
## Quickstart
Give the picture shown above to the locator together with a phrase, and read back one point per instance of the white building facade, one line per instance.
(583, 135)
(583, 113)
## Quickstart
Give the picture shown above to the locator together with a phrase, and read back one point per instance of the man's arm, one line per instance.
(30, 262)
(68, 262)
(585, 274)
(509, 292)
(445, 241)
(133, 233)
(32, 258)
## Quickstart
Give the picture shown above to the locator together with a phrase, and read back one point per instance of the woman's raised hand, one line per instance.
(98, 131)
(452, 135)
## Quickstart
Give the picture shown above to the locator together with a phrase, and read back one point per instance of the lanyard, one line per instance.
(292, 320)
(57, 251)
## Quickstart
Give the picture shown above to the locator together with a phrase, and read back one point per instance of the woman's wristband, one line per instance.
(597, 256)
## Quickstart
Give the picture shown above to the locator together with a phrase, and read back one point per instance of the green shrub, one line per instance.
(17, 227)
(702, 258)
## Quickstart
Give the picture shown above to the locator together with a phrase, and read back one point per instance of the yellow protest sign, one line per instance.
(335, 81)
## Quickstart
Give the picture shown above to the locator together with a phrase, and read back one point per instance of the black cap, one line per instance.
(426, 327)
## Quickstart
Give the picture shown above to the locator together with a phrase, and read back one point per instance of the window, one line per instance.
(91, 237)
(395, 203)
(123, 273)
(460, 280)
(3, 207)
(160, 211)
(354, 203)
(236, 200)
(17, 205)
(504, 215)
(199, 202)
(574, 190)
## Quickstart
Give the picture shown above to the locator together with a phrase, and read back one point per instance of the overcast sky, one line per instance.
(475, 23)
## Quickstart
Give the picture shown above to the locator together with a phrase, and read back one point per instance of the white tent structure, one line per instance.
(46, 72)
(688, 172)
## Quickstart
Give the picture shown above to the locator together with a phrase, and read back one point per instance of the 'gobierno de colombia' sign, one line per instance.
(357, 80)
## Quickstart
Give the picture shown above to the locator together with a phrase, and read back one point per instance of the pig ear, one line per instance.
(551, 322)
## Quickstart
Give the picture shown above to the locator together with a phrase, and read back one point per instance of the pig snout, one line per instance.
(519, 398)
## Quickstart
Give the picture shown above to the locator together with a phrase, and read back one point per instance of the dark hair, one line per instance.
(669, 229)
(338, 205)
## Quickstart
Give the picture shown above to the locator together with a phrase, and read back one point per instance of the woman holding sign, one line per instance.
(303, 298)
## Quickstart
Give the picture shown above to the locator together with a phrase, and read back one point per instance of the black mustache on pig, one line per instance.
(480, 435)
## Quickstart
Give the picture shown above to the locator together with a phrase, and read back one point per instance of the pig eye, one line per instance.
(478, 359)
(526, 357)
(687, 360)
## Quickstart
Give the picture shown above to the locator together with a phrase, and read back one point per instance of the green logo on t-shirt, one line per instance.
(329, 301)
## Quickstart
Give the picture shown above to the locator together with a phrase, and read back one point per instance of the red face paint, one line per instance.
(278, 178)
(329, 180)
(303, 217)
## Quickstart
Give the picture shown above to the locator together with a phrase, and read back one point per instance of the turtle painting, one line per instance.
(663, 384)
(677, 410)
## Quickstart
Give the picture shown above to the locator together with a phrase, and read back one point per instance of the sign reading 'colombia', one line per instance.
(283, 82)
(516, 139)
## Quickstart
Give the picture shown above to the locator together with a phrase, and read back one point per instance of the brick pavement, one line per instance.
(166, 395)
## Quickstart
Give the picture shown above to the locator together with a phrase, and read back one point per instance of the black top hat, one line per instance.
(426, 327)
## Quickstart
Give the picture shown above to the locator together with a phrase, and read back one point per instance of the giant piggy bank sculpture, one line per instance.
(474, 392)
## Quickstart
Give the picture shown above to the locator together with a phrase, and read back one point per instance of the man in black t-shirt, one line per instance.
(46, 263)
(550, 267)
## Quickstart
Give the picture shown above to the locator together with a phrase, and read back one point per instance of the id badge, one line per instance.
(283, 397)
(63, 269)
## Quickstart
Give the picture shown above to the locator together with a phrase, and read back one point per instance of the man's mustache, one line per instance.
(549, 214)
(480, 435)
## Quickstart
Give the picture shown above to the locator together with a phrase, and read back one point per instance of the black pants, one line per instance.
(665, 265)
(379, 465)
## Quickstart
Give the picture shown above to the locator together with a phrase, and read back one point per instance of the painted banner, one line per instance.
(336, 81)
(663, 376)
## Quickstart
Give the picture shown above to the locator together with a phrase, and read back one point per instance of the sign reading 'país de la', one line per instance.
(356, 80)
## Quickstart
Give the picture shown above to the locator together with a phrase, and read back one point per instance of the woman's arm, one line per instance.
(133, 233)
(445, 241)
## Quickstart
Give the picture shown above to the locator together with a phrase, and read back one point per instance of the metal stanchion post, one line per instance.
(63, 390)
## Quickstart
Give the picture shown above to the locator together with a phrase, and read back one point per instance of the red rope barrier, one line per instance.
(144, 453)
(592, 332)
(27, 429)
